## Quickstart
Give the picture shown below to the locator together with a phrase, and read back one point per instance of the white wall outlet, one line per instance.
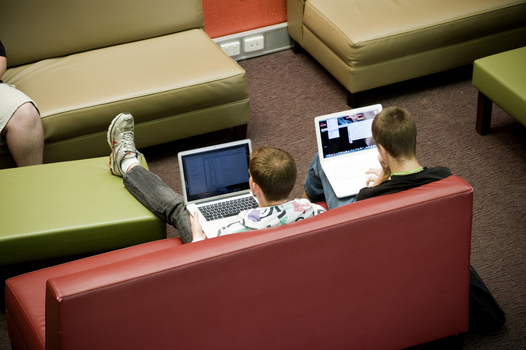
(231, 49)
(254, 43)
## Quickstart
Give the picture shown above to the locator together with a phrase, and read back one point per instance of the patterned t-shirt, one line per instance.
(258, 218)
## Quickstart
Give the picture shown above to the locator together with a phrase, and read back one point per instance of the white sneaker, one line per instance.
(120, 139)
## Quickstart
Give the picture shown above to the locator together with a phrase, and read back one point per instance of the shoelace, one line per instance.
(127, 142)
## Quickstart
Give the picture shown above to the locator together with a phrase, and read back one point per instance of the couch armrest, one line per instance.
(295, 10)
(25, 295)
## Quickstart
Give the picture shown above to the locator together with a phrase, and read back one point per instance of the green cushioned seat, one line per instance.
(501, 78)
(69, 208)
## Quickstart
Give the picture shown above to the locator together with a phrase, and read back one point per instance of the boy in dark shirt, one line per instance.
(394, 132)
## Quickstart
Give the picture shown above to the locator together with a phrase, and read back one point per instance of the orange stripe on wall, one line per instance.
(225, 17)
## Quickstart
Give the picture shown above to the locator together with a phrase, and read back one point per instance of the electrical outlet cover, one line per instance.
(231, 49)
(254, 43)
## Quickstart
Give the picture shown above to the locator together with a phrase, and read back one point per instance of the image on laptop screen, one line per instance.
(347, 134)
(216, 172)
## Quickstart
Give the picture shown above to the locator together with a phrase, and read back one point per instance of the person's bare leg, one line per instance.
(24, 136)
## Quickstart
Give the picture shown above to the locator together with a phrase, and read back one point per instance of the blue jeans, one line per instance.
(160, 199)
(318, 188)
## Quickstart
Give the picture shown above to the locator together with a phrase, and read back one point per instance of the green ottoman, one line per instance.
(67, 209)
(500, 78)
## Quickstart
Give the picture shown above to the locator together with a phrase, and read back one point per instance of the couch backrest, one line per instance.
(388, 272)
(32, 30)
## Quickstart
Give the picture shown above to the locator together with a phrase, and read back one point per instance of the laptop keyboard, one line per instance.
(227, 208)
(355, 169)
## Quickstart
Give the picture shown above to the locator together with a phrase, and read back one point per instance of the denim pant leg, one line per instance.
(318, 188)
(160, 199)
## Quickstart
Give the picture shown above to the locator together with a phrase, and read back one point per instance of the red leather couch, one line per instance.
(385, 273)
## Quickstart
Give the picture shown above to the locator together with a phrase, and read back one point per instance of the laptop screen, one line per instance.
(347, 133)
(216, 172)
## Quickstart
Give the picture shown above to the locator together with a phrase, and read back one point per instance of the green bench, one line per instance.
(500, 78)
(69, 209)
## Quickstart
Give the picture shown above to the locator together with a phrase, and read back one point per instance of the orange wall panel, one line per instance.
(225, 17)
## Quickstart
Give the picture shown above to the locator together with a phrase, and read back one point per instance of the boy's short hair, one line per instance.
(274, 170)
(395, 130)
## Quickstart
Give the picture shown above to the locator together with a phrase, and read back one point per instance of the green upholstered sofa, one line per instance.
(500, 78)
(366, 44)
(84, 62)
(68, 209)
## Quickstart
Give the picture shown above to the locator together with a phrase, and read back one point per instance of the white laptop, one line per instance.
(215, 183)
(346, 148)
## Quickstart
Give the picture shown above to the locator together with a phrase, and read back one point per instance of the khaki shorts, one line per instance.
(10, 100)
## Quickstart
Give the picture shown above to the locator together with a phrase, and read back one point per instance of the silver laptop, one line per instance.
(346, 148)
(215, 183)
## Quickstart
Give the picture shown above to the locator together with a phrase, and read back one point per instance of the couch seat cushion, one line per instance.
(152, 79)
(367, 32)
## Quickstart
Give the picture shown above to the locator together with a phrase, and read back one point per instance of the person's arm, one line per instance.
(197, 230)
(3, 66)
(382, 174)
(3, 60)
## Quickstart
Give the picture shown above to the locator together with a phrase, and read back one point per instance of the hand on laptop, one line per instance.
(197, 230)
(379, 175)
(371, 177)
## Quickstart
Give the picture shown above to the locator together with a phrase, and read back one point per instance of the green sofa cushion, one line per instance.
(502, 78)
(63, 209)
